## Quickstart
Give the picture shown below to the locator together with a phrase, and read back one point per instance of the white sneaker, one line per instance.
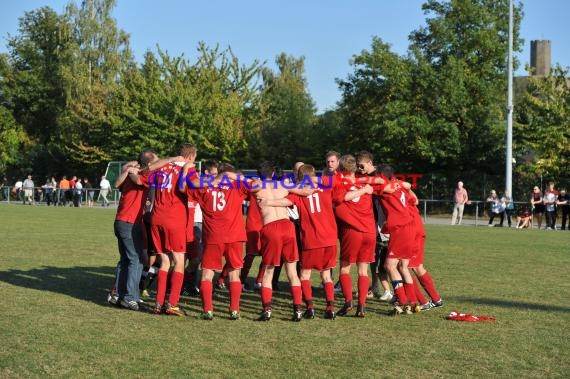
(257, 287)
(386, 296)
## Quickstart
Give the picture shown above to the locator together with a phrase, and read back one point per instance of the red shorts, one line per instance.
(357, 247)
(253, 244)
(278, 241)
(418, 257)
(169, 238)
(321, 258)
(402, 240)
(213, 253)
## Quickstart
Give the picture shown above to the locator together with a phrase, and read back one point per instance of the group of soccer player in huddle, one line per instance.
(294, 219)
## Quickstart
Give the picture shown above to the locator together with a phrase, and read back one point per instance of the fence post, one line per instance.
(476, 213)
(425, 211)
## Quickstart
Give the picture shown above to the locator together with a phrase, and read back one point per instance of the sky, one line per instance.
(326, 32)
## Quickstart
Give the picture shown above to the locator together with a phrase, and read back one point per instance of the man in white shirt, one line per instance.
(105, 186)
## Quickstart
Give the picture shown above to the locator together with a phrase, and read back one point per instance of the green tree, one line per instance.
(288, 114)
(542, 129)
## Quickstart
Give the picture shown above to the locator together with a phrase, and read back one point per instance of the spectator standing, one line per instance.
(28, 187)
(63, 191)
(77, 193)
(564, 203)
(105, 186)
(509, 206)
(18, 190)
(48, 192)
(89, 192)
(5, 186)
(549, 200)
(497, 207)
(460, 198)
(537, 205)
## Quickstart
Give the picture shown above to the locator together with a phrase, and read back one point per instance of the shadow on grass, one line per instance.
(514, 304)
(85, 283)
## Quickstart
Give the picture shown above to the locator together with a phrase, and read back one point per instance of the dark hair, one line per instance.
(210, 164)
(266, 170)
(364, 155)
(226, 167)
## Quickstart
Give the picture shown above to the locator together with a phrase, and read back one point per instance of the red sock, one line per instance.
(175, 288)
(260, 273)
(235, 295)
(266, 295)
(346, 285)
(206, 295)
(307, 292)
(297, 295)
(428, 285)
(401, 293)
(329, 295)
(363, 283)
(411, 293)
(247, 261)
(419, 294)
(161, 286)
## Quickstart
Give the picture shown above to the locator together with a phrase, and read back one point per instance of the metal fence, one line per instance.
(433, 211)
(59, 197)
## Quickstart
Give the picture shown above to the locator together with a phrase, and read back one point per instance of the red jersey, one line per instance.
(254, 222)
(357, 213)
(169, 203)
(318, 225)
(131, 204)
(396, 206)
(222, 211)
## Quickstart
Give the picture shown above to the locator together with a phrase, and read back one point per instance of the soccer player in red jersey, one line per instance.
(318, 236)
(253, 226)
(223, 234)
(168, 219)
(278, 242)
(400, 226)
(417, 262)
(353, 212)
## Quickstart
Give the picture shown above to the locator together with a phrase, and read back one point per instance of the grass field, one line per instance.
(57, 264)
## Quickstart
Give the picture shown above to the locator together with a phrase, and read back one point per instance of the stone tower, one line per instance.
(540, 57)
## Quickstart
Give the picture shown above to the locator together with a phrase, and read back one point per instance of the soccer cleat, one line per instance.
(359, 311)
(370, 294)
(174, 311)
(436, 304)
(408, 310)
(396, 311)
(265, 315)
(416, 308)
(329, 315)
(157, 309)
(234, 315)
(112, 299)
(347, 307)
(297, 316)
(209, 316)
(309, 313)
(386, 296)
(130, 304)
(427, 306)
(221, 286)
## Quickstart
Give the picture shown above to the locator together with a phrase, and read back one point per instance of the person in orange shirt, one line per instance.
(64, 190)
